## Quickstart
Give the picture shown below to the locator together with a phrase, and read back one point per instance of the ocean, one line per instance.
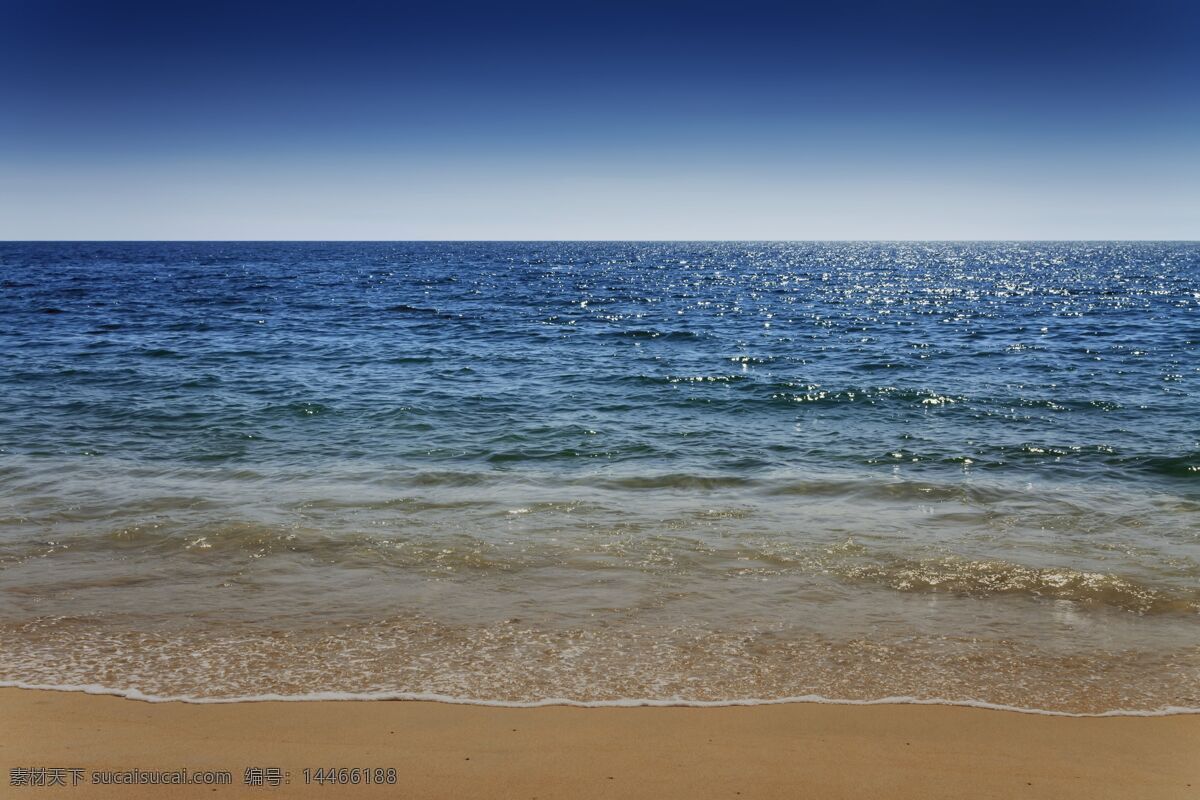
(604, 472)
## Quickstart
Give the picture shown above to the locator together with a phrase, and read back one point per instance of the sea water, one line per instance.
(604, 472)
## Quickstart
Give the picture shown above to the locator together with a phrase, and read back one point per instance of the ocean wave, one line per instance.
(675, 480)
(652, 333)
(550, 702)
(980, 578)
(475, 538)
(1183, 466)
(514, 664)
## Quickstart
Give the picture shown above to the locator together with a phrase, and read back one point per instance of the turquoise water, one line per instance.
(603, 471)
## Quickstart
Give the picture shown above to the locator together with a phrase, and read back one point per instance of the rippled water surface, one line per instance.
(519, 471)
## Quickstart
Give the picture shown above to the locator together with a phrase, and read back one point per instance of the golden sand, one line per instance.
(453, 751)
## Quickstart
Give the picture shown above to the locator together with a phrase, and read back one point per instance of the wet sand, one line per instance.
(453, 751)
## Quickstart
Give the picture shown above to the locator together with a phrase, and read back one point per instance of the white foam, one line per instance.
(631, 702)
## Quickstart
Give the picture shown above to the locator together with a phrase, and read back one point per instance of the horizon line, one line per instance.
(596, 241)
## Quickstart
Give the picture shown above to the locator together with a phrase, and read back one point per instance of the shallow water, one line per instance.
(597, 472)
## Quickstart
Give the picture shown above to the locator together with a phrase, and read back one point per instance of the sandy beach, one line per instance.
(441, 750)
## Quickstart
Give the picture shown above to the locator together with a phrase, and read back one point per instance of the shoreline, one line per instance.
(632, 702)
(819, 750)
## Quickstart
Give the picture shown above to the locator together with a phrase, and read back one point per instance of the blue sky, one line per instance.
(615, 120)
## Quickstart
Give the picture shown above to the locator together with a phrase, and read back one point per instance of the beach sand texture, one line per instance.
(439, 750)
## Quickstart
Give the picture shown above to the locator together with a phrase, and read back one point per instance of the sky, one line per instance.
(599, 120)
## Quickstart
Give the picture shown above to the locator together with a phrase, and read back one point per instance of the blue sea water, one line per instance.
(517, 471)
